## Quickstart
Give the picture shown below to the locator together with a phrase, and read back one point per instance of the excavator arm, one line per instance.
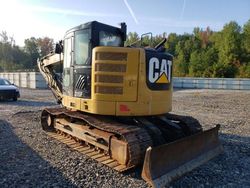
(53, 80)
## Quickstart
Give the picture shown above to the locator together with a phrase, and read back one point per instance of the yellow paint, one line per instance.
(135, 98)
(163, 79)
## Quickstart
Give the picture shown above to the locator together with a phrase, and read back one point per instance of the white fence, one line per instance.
(212, 83)
(35, 80)
(25, 79)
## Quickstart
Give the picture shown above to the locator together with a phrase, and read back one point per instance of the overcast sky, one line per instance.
(26, 18)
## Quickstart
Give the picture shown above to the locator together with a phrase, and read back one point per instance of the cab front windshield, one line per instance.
(109, 39)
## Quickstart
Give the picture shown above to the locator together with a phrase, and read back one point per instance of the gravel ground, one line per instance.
(29, 158)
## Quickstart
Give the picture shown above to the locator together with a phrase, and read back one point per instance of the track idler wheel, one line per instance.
(47, 121)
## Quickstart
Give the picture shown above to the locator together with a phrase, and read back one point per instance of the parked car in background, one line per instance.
(8, 90)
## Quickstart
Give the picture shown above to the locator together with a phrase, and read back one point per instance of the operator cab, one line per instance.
(78, 44)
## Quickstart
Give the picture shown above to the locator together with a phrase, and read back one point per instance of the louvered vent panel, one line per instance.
(110, 67)
(113, 56)
(81, 82)
(108, 90)
(108, 79)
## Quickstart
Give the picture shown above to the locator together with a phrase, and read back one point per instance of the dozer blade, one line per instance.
(167, 162)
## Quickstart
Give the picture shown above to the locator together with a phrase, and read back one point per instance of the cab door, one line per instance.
(82, 64)
(68, 66)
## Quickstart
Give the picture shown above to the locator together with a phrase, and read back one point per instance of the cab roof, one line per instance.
(91, 25)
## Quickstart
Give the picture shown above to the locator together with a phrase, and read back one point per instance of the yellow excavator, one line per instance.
(115, 103)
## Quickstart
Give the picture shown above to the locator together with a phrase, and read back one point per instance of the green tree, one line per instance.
(196, 67)
(210, 58)
(181, 66)
(244, 70)
(158, 38)
(45, 45)
(246, 37)
(31, 48)
(11, 56)
(171, 43)
(132, 37)
(146, 41)
(229, 51)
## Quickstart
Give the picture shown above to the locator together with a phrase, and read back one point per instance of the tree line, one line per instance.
(203, 53)
(16, 58)
(206, 53)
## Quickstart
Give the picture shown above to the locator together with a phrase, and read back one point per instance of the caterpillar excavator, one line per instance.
(115, 103)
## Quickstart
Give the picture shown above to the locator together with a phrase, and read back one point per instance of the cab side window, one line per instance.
(81, 46)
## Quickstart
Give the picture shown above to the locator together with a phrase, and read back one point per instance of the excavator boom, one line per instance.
(53, 80)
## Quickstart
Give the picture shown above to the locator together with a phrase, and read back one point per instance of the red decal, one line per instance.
(124, 108)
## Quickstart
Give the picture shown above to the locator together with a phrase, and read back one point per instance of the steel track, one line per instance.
(137, 138)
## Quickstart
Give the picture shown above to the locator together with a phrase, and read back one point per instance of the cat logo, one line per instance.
(159, 72)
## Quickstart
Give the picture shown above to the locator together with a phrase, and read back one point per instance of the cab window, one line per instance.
(109, 39)
(81, 46)
(67, 52)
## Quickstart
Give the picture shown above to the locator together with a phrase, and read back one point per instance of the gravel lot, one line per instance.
(29, 158)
